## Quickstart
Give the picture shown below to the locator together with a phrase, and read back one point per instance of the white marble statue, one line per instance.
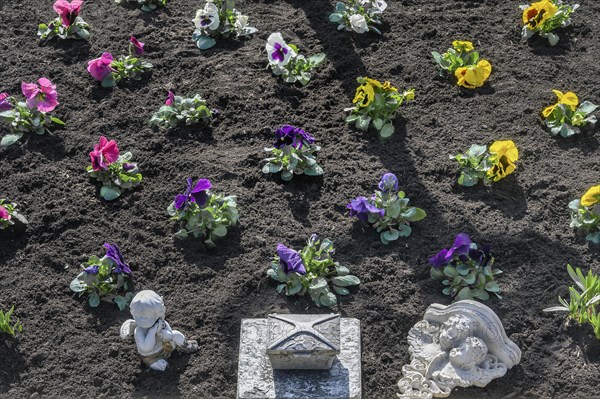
(154, 337)
(460, 345)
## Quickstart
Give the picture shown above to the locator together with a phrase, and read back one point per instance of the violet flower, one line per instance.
(128, 166)
(99, 68)
(92, 269)
(114, 254)
(290, 135)
(138, 46)
(290, 260)
(4, 213)
(68, 12)
(389, 182)
(278, 51)
(196, 194)
(170, 98)
(43, 96)
(5, 104)
(105, 153)
(461, 247)
(361, 208)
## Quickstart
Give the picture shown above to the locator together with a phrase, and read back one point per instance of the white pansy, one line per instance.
(358, 23)
(278, 50)
(207, 18)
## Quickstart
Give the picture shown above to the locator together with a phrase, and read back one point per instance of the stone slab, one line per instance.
(258, 380)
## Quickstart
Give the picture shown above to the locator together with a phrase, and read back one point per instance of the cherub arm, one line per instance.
(146, 341)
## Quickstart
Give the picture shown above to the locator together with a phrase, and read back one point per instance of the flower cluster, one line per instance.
(107, 278)
(566, 117)
(465, 270)
(30, 116)
(387, 210)
(114, 171)
(311, 270)
(585, 214)
(203, 213)
(293, 152)
(460, 60)
(359, 16)
(8, 326)
(377, 104)
(219, 18)
(68, 24)
(109, 71)
(285, 61)
(545, 16)
(584, 306)
(9, 214)
(147, 5)
(487, 164)
(182, 111)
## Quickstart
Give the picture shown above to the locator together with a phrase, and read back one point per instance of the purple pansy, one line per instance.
(5, 104)
(195, 194)
(279, 53)
(290, 135)
(138, 46)
(461, 247)
(92, 269)
(113, 253)
(170, 98)
(277, 49)
(389, 182)
(361, 207)
(128, 166)
(290, 260)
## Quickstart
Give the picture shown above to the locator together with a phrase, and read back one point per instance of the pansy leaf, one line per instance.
(316, 59)
(110, 193)
(464, 293)
(341, 290)
(404, 230)
(345, 281)
(462, 269)
(391, 235)
(57, 121)
(447, 291)
(295, 288)
(387, 130)
(340, 7)
(492, 286)
(94, 300)
(378, 123)
(220, 231)
(286, 175)
(272, 168)
(10, 139)
(342, 270)
(121, 302)
(481, 294)
(328, 299)
(181, 234)
(77, 285)
(469, 278)
(363, 122)
(436, 274)
(586, 107)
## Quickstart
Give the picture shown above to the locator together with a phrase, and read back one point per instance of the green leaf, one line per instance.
(416, 214)
(328, 299)
(378, 123)
(391, 235)
(316, 59)
(341, 290)
(450, 271)
(481, 294)
(286, 175)
(462, 269)
(342, 270)
(436, 274)
(110, 193)
(94, 300)
(464, 293)
(203, 42)
(345, 281)
(57, 121)
(271, 168)
(492, 286)
(295, 288)
(10, 139)
(387, 130)
(318, 283)
(587, 107)
(335, 17)
(363, 122)
(181, 234)
(121, 302)
(447, 291)
(470, 278)
(404, 230)
(109, 81)
(77, 285)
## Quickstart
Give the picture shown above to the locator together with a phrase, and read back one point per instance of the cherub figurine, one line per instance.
(154, 337)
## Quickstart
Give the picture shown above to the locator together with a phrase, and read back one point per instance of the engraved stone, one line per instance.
(257, 379)
(297, 341)
(460, 345)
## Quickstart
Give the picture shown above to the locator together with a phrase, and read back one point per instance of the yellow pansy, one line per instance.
(591, 197)
(365, 94)
(462, 46)
(504, 154)
(374, 83)
(538, 13)
(387, 86)
(473, 76)
(569, 98)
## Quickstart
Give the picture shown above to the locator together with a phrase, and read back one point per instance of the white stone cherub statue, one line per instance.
(154, 337)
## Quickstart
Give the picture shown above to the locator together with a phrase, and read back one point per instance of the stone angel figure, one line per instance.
(154, 337)
(463, 344)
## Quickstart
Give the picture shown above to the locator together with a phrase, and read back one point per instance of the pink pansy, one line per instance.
(4, 213)
(170, 98)
(68, 11)
(105, 153)
(44, 96)
(138, 46)
(99, 68)
(5, 104)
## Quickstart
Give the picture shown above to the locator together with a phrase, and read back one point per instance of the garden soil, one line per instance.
(69, 350)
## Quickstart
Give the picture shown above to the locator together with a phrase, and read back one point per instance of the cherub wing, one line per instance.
(420, 335)
(128, 328)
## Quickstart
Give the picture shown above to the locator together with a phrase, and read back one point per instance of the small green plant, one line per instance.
(582, 306)
(179, 111)
(7, 326)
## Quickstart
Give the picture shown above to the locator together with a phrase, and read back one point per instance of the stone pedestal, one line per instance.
(258, 380)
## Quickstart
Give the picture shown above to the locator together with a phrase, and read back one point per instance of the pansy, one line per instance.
(99, 68)
(462, 46)
(358, 23)
(68, 11)
(138, 46)
(113, 253)
(279, 52)
(105, 153)
(290, 135)
(208, 17)
(361, 208)
(504, 154)
(538, 13)
(569, 98)
(92, 269)
(473, 76)
(4, 213)
(195, 194)
(461, 246)
(290, 260)
(365, 94)
(170, 98)
(43, 96)
(5, 104)
(591, 197)
(389, 182)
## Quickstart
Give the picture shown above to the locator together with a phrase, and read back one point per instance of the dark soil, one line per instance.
(70, 350)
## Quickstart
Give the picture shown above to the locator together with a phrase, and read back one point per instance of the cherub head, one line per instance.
(454, 330)
(469, 354)
(146, 308)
